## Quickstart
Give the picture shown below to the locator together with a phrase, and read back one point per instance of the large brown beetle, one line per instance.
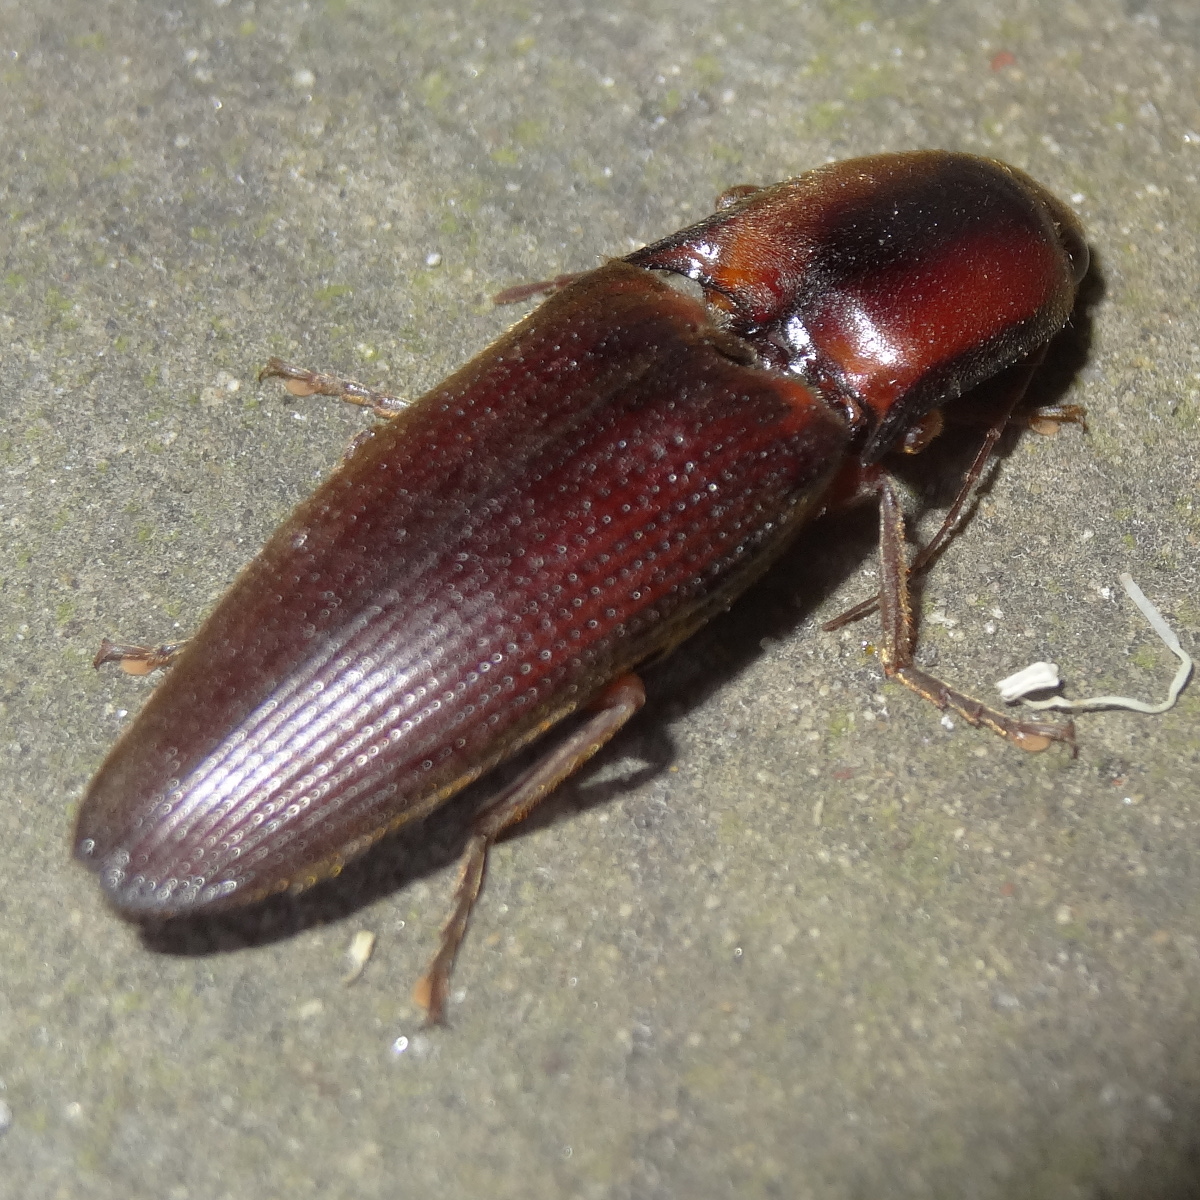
(577, 499)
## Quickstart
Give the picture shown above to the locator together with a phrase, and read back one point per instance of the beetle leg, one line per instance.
(1048, 419)
(952, 519)
(616, 704)
(899, 626)
(137, 660)
(542, 287)
(315, 383)
(734, 195)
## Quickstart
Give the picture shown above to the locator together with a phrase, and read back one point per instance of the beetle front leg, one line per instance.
(899, 628)
(300, 382)
(1021, 374)
(617, 703)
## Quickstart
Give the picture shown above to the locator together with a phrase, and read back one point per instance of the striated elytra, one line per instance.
(578, 498)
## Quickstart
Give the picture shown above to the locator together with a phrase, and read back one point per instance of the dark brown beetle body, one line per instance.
(480, 567)
(579, 497)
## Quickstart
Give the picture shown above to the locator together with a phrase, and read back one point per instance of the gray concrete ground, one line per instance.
(792, 937)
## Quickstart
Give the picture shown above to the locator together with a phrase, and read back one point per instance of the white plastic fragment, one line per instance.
(1036, 677)
(1159, 626)
(362, 944)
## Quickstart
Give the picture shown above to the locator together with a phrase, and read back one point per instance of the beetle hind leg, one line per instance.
(616, 704)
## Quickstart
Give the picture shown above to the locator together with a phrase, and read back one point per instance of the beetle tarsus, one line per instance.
(301, 382)
(1048, 419)
(134, 659)
(1033, 736)
(433, 988)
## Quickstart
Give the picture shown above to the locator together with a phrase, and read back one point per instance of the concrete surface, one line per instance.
(792, 937)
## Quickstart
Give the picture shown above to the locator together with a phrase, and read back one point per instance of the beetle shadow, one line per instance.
(816, 566)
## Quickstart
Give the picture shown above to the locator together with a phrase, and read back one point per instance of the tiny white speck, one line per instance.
(303, 78)
(362, 945)
(433, 260)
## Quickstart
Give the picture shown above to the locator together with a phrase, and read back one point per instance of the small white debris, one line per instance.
(362, 946)
(1037, 677)
(433, 259)
(303, 78)
(221, 389)
(1163, 630)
